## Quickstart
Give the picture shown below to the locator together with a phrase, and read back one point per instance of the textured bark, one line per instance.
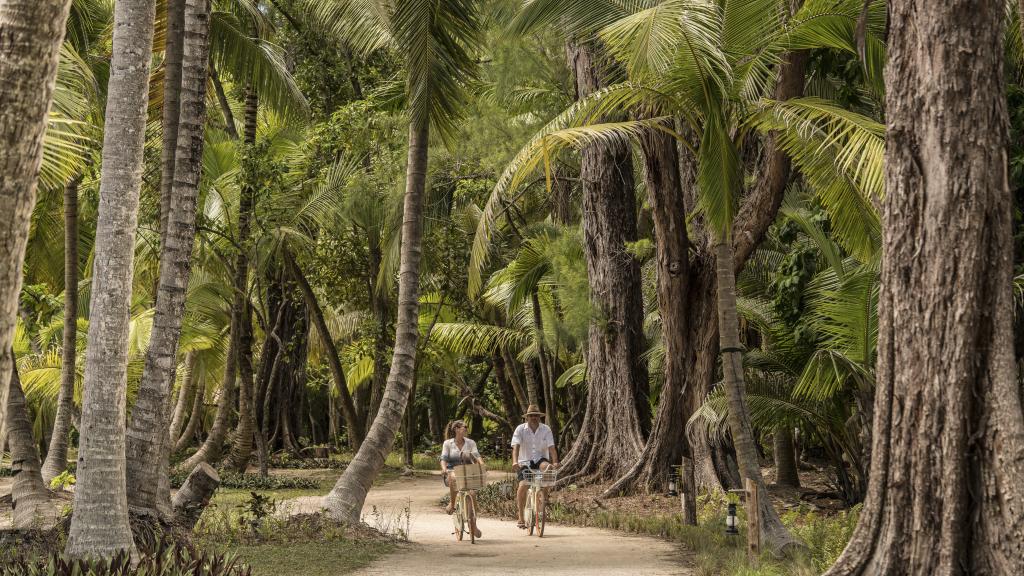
(194, 494)
(31, 32)
(241, 442)
(512, 369)
(173, 53)
(773, 534)
(348, 409)
(185, 393)
(148, 430)
(196, 417)
(57, 454)
(667, 443)
(945, 493)
(544, 359)
(786, 473)
(346, 499)
(29, 495)
(99, 526)
(618, 412)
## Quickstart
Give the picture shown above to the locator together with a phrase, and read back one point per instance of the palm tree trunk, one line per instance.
(945, 491)
(99, 527)
(346, 499)
(508, 398)
(211, 449)
(241, 444)
(31, 32)
(57, 454)
(185, 392)
(547, 377)
(29, 495)
(786, 473)
(148, 430)
(194, 419)
(382, 339)
(173, 54)
(512, 369)
(225, 107)
(348, 409)
(773, 533)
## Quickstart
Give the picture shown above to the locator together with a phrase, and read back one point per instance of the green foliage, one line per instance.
(253, 481)
(168, 559)
(60, 481)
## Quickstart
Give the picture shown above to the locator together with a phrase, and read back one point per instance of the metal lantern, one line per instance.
(672, 476)
(730, 521)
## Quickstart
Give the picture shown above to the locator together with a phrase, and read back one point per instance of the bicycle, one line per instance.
(467, 478)
(536, 512)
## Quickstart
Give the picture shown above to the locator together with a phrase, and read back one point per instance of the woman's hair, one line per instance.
(450, 432)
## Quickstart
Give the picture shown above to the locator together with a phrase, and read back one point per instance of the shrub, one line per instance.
(254, 481)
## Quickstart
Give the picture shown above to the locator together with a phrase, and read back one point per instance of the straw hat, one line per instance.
(533, 410)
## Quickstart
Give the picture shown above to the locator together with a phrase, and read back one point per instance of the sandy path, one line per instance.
(504, 549)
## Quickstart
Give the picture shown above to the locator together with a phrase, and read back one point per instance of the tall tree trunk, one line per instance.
(31, 32)
(945, 494)
(512, 369)
(383, 338)
(171, 114)
(148, 430)
(348, 409)
(194, 419)
(346, 499)
(786, 473)
(618, 412)
(57, 454)
(29, 495)
(773, 533)
(241, 443)
(99, 526)
(185, 393)
(667, 444)
(225, 106)
(508, 399)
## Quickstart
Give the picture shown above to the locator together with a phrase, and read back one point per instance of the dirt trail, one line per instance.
(504, 549)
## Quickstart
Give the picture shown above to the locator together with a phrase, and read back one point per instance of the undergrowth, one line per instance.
(716, 553)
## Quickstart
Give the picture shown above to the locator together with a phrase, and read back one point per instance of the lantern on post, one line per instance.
(730, 521)
(673, 476)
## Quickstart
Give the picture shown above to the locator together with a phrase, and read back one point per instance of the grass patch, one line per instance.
(311, 558)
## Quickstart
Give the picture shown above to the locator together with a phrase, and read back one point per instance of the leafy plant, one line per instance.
(62, 480)
(255, 509)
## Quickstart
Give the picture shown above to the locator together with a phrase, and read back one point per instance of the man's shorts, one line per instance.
(521, 474)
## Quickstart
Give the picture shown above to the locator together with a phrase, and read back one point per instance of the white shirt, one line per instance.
(450, 452)
(533, 445)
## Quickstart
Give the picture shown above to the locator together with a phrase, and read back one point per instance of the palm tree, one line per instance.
(28, 68)
(147, 432)
(439, 39)
(29, 495)
(99, 526)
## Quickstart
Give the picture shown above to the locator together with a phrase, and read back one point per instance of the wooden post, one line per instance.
(753, 521)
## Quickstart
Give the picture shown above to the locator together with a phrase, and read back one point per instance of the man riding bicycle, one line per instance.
(533, 448)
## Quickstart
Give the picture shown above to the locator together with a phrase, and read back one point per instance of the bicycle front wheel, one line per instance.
(458, 519)
(531, 512)
(471, 519)
(542, 513)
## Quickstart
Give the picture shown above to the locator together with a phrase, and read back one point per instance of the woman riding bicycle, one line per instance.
(456, 450)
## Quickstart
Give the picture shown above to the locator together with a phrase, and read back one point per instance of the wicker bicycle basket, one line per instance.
(544, 479)
(469, 476)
